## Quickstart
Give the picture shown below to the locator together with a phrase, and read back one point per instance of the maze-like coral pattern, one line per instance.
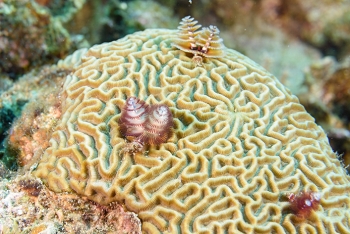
(240, 142)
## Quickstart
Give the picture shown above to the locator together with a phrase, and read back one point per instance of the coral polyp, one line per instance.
(304, 203)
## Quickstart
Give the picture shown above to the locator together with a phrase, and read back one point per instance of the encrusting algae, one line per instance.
(241, 141)
(26, 206)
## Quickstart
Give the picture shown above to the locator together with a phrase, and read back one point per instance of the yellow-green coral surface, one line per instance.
(240, 142)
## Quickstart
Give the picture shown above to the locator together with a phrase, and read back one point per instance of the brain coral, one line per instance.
(241, 141)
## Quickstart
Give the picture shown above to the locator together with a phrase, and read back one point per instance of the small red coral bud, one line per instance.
(133, 117)
(304, 203)
(158, 126)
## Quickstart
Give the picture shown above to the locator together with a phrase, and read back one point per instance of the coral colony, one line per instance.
(204, 43)
(304, 203)
(212, 179)
(144, 124)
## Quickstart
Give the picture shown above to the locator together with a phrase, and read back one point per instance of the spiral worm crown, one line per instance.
(158, 125)
(133, 117)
